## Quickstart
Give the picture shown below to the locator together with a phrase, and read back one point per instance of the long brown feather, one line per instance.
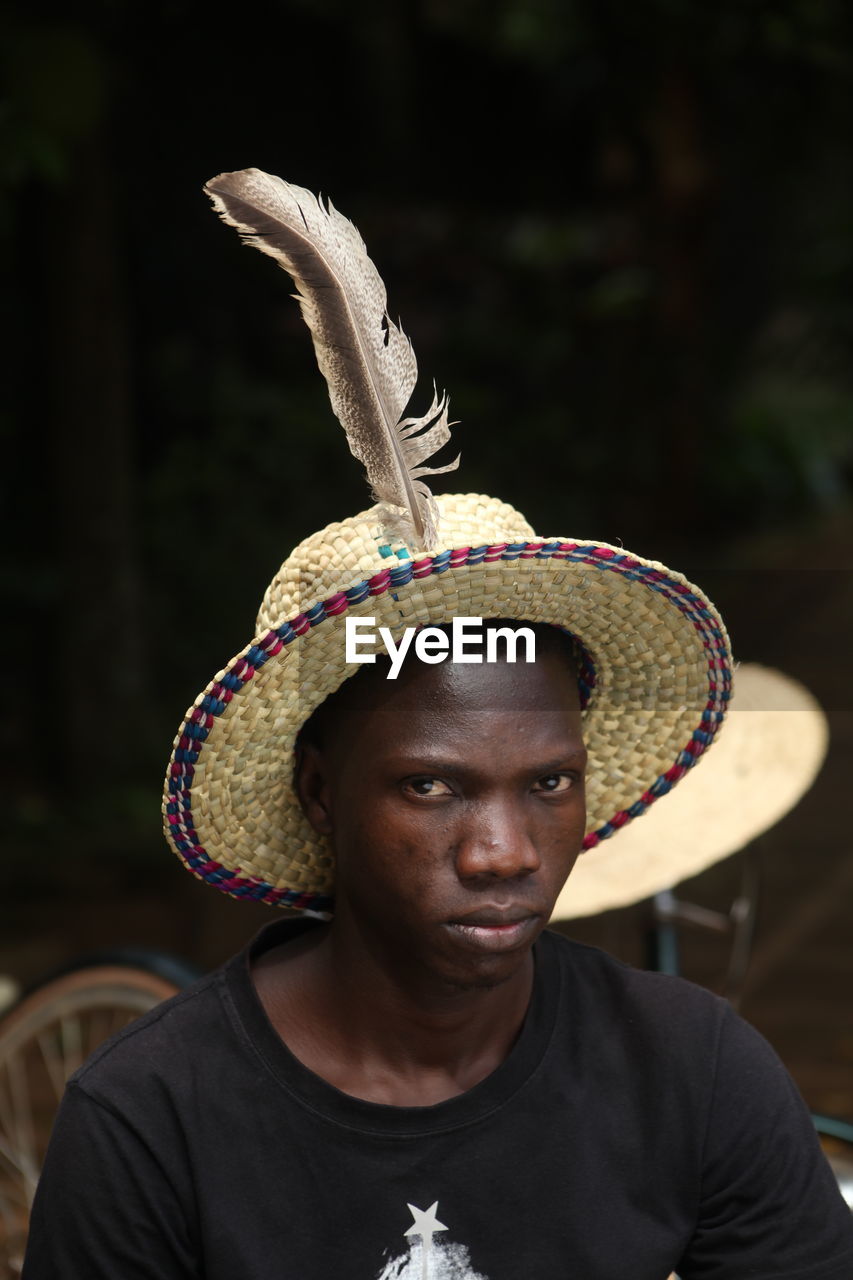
(367, 361)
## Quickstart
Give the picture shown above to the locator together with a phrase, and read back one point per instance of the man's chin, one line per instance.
(488, 972)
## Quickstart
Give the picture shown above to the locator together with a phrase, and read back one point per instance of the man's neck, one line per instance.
(398, 1039)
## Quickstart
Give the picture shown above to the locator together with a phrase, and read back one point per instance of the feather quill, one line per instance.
(366, 359)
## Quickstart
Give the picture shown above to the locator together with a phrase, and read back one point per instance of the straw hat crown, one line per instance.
(355, 549)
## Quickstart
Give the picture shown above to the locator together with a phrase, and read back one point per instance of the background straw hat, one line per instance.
(774, 743)
(655, 679)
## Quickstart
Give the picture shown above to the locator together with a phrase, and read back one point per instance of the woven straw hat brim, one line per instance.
(774, 744)
(657, 678)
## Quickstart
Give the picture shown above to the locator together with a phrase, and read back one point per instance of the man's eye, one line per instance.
(553, 783)
(428, 787)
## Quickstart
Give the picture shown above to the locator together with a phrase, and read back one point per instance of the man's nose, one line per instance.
(496, 843)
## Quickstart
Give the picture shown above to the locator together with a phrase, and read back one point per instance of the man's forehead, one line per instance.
(446, 710)
(490, 743)
(455, 698)
(490, 691)
(552, 728)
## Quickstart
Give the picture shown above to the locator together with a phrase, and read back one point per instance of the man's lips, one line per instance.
(495, 914)
(496, 929)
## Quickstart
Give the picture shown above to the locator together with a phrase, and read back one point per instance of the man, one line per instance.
(422, 1082)
(428, 1085)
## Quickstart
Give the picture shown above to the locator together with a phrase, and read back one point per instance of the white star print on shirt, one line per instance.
(425, 1222)
(426, 1259)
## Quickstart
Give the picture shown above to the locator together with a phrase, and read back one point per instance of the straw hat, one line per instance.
(655, 661)
(774, 744)
(656, 679)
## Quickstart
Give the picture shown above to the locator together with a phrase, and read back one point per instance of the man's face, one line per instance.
(454, 801)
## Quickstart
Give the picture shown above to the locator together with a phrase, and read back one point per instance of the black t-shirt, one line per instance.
(637, 1127)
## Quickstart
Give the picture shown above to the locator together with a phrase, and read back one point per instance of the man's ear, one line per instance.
(312, 787)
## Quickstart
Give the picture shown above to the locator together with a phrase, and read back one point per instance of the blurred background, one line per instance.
(620, 235)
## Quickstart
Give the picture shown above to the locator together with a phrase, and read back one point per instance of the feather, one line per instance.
(366, 359)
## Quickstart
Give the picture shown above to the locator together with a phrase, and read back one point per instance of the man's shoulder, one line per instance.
(201, 1038)
(609, 992)
(161, 1049)
(602, 967)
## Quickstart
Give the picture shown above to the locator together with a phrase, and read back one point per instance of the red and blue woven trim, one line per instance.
(197, 727)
